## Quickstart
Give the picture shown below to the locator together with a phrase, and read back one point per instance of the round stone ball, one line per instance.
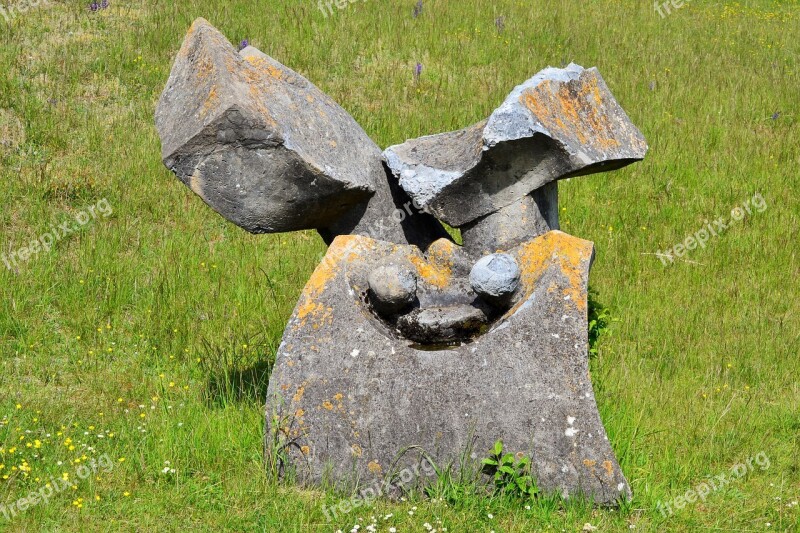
(393, 288)
(495, 277)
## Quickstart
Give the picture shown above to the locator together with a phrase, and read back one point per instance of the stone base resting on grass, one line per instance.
(406, 347)
(350, 399)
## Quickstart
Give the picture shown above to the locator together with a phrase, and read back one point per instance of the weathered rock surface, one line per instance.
(442, 325)
(495, 277)
(393, 287)
(533, 215)
(395, 351)
(560, 123)
(269, 151)
(357, 404)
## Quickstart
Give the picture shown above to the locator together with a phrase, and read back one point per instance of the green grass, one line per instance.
(165, 305)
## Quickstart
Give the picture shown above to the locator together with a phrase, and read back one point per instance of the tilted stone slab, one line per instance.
(357, 404)
(265, 148)
(560, 123)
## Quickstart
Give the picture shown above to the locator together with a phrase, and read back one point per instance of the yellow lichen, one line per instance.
(570, 254)
(609, 468)
(437, 267)
(582, 114)
(211, 101)
(299, 394)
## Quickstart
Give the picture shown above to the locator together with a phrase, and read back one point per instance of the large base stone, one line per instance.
(357, 404)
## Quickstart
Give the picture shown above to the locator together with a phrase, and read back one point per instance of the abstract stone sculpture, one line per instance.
(405, 345)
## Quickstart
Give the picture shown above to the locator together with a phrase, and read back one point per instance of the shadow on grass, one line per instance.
(237, 371)
(600, 320)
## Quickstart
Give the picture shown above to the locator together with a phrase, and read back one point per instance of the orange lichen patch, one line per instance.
(574, 110)
(320, 315)
(442, 250)
(265, 67)
(339, 404)
(310, 308)
(190, 40)
(609, 468)
(589, 463)
(305, 449)
(345, 245)
(356, 449)
(428, 272)
(211, 101)
(437, 267)
(242, 70)
(299, 413)
(257, 98)
(568, 253)
(299, 394)
(374, 467)
(204, 68)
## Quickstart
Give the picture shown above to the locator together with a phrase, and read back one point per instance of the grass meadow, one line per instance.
(138, 347)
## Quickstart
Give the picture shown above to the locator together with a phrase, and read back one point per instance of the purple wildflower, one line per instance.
(776, 115)
(652, 86)
(104, 4)
(417, 72)
(244, 44)
(417, 9)
(94, 6)
(500, 22)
